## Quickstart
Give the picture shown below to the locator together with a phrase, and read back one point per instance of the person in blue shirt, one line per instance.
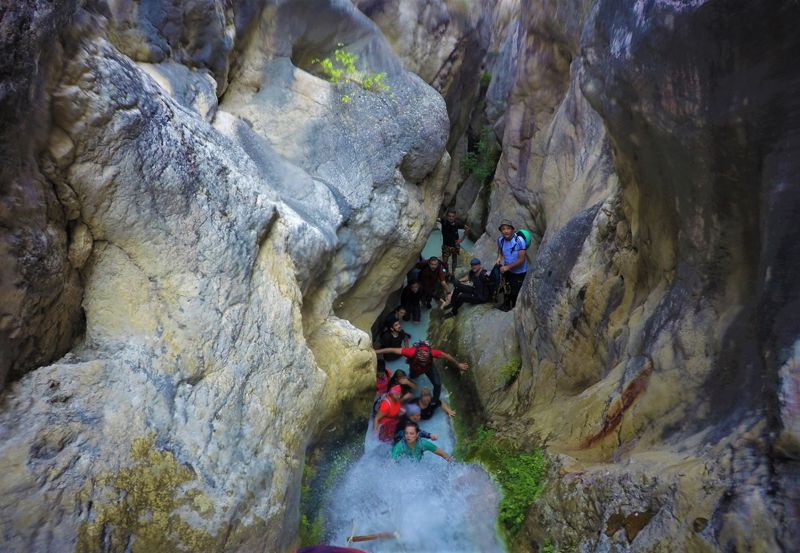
(512, 262)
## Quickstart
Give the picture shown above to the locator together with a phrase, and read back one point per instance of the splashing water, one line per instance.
(431, 505)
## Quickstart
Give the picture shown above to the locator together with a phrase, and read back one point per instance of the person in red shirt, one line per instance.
(388, 414)
(420, 360)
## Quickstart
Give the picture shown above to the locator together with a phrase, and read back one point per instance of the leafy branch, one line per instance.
(342, 69)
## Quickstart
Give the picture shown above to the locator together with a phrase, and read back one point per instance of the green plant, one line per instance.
(511, 369)
(311, 530)
(342, 69)
(486, 78)
(481, 161)
(521, 474)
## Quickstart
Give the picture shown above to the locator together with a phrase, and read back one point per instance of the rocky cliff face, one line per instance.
(651, 146)
(190, 216)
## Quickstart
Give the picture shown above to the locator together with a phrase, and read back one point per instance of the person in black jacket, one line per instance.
(394, 337)
(477, 293)
(411, 299)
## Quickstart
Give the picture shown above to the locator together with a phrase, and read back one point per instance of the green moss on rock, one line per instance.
(521, 474)
(137, 511)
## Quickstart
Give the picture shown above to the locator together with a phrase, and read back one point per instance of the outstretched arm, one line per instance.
(378, 416)
(450, 359)
(398, 351)
(444, 455)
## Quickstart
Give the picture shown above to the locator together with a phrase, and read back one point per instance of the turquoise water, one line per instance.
(432, 505)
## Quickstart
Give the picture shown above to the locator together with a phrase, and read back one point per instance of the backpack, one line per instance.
(417, 366)
(525, 234)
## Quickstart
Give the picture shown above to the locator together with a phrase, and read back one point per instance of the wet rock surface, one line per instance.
(650, 146)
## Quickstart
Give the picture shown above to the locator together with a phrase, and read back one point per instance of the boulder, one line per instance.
(222, 247)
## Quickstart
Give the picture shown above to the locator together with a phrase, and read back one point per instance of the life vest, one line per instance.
(394, 408)
(419, 363)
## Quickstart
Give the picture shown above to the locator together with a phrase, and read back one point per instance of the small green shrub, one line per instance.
(511, 369)
(486, 78)
(311, 532)
(521, 474)
(342, 69)
(482, 161)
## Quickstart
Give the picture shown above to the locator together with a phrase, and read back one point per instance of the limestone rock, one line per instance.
(216, 246)
(659, 290)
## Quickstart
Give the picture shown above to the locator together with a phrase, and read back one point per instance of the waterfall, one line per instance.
(432, 505)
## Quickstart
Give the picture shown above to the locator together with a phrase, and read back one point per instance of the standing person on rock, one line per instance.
(475, 294)
(411, 298)
(420, 360)
(451, 241)
(512, 262)
(432, 280)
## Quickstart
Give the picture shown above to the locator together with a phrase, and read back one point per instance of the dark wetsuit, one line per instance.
(427, 412)
(389, 340)
(411, 301)
(475, 294)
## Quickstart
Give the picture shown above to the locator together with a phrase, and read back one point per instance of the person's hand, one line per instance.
(503, 268)
(463, 366)
(434, 437)
(458, 242)
(450, 413)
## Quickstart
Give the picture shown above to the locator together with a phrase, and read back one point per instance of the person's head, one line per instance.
(414, 285)
(398, 374)
(475, 265)
(413, 412)
(424, 397)
(411, 432)
(399, 312)
(396, 391)
(506, 229)
(451, 216)
(433, 262)
(396, 326)
(423, 352)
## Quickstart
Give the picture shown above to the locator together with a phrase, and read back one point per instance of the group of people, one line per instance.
(396, 409)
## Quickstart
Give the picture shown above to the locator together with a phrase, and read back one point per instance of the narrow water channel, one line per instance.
(432, 505)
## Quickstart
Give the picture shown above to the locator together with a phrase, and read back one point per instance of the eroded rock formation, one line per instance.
(183, 180)
(652, 147)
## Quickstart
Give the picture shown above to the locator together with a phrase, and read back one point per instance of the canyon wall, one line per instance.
(651, 147)
(198, 228)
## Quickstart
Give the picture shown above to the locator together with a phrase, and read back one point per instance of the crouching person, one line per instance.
(478, 292)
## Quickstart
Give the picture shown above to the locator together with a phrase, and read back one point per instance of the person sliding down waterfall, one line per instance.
(388, 415)
(420, 360)
(475, 294)
(512, 262)
(413, 447)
